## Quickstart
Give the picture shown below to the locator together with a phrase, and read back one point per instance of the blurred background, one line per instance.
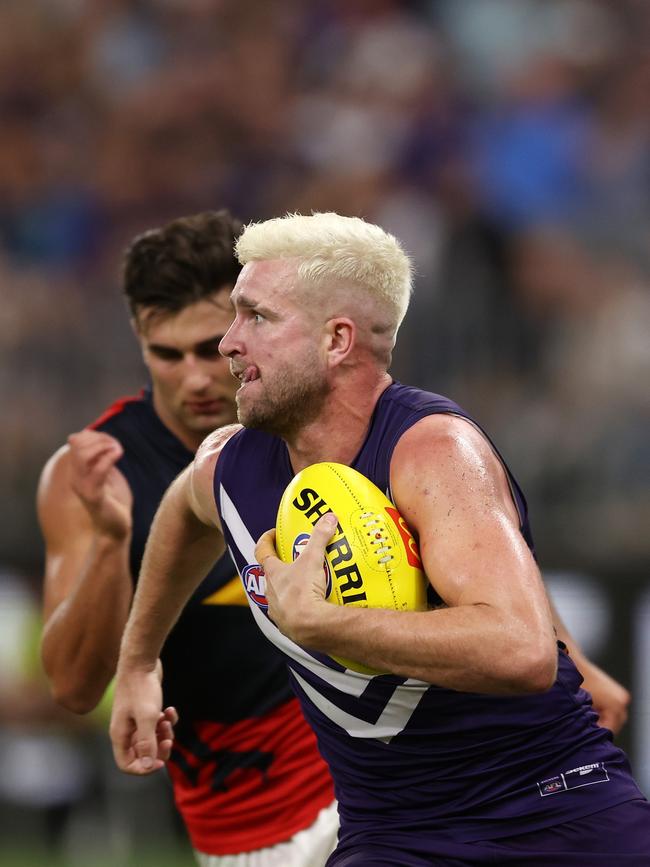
(505, 142)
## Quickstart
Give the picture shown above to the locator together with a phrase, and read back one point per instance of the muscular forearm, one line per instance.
(82, 636)
(468, 648)
(180, 551)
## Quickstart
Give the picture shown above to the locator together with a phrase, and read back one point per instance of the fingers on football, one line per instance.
(323, 531)
(324, 528)
(265, 548)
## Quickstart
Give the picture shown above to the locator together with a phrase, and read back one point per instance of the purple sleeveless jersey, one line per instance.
(407, 756)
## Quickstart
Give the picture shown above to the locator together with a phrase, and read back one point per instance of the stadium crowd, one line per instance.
(506, 146)
(507, 143)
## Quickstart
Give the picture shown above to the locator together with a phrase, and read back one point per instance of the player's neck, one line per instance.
(340, 429)
(191, 439)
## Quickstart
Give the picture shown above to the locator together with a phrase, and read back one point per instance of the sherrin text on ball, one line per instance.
(372, 560)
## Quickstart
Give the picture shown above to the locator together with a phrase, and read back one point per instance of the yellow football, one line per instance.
(372, 560)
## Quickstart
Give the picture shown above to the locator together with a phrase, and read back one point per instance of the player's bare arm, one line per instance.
(84, 509)
(495, 634)
(184, 542)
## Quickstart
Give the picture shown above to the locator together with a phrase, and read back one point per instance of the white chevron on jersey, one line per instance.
(238, 529)
(398, 709)
(246, 546)
(397, 712)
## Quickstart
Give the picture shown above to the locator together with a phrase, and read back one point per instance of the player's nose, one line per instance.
(230, 343)
(197, 378)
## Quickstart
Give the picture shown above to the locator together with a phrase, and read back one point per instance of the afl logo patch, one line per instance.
(254, 583)
(298, 544)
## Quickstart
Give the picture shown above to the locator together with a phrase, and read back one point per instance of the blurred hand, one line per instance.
(611, 700)
(141, 733)
(98, 483)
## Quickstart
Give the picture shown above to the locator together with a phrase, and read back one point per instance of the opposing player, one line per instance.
(478, 746)
(246, 772)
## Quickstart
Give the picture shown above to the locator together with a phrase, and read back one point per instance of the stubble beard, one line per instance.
(294, 399)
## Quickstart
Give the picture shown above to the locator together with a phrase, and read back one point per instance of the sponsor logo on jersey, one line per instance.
(552, 786)
(254, 582)
(576, 778)
(410, 545)
(586, 775)
(298, 544)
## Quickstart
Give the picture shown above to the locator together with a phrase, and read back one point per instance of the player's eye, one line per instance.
(209, 350)
(166, 354)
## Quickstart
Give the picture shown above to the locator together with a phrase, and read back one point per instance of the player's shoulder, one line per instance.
(211, 447)
(410, 399)
(207, 454)
(55, 472)
(443, 437)
(56, 500)
(201, 472)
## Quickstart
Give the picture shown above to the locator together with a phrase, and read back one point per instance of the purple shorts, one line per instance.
(616, 837)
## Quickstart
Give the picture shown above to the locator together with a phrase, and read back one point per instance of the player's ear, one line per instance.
(340, 338)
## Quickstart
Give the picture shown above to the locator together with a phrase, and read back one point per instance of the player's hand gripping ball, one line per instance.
(372, 560)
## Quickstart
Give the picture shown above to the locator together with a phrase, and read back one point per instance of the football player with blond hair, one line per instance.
(477, 745)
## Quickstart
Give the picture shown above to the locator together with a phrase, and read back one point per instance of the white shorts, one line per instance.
(308, 848)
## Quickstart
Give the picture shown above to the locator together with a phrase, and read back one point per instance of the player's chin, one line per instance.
(245, 411)
(255, 410)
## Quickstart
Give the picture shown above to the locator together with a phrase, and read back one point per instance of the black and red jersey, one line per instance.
(245, 767)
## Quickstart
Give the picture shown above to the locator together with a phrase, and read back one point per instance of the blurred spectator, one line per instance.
(507, 142)
(464, 128)
(582, 409)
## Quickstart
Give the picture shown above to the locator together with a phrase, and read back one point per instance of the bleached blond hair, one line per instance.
(330, 247)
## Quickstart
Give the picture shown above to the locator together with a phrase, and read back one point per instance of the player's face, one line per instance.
(274, 350)
(193, 389)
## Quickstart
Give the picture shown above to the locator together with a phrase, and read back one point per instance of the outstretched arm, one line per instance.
(495, 633)
(184, 542)
(84, 509)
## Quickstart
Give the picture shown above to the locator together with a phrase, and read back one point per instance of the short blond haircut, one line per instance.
(329, 247)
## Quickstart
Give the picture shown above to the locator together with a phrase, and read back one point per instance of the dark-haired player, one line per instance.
(246, 772)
